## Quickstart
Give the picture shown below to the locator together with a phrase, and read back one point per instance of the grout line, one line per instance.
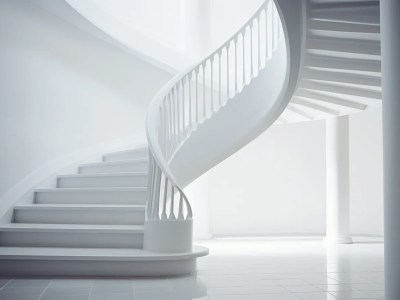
(45, 289)
(6, 284)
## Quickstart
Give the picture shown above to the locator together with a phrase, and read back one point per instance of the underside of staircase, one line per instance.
(128, 215)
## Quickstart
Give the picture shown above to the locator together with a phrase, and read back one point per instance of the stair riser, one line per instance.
(126, 156)
(94, 268)
(86, 216)
(120, 197)
(70, 239)
(119, 168)
(91, 182)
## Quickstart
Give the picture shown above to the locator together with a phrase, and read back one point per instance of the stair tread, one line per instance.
(80, 206)
(37, 227)
(97, 175)
(136, 150)
(114, 163)
(115, 254)
(92, 189)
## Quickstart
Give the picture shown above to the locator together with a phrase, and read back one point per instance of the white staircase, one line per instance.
(341, 68)
(91, 224)
(128, 215)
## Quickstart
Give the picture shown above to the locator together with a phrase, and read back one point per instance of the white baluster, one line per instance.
(212, 85)
(259, 41)
(197, 95)
(244, 56)
(219, 78)
(204, 91)
(180, 214)
(251, 51)
(171, 210)
(164, 208)
(190, 100)
(236, 72)
(227, 71)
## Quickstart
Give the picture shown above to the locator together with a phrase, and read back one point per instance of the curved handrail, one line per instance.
(173, 114)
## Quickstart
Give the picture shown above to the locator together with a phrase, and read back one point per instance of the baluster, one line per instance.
(219, 78)
(234, 43)
(227, 70)
(266, 34)
(149, 207)
(173, 119)
(164, 208)
(180, 214)
(156, 209)
(273, 27)
(212, 84)
(183, 108)
(259, 41)
(197, 95)
(251, 50)
(152, 185)
(190, 99)
(244, 57)
(170, 121)
(204, 90)
(171, 210)
(178, 115)
(166, 127)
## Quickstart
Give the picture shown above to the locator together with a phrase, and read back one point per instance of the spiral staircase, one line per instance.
(128, 215)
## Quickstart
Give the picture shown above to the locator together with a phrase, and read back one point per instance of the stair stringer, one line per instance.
(252, 110)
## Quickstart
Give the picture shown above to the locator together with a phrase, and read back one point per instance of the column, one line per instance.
(390, 51)
(337, 180)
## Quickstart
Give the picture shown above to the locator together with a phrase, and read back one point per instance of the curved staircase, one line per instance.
(341, 67)
(128, 215)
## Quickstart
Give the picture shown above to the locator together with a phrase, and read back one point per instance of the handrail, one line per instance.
(186, 101)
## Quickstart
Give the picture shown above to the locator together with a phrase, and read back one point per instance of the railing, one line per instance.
(193, 96)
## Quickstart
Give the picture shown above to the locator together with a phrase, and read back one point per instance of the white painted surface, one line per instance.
(366, 173)
(62, 91)
(276, 184)
(275, 269)
(337, 180)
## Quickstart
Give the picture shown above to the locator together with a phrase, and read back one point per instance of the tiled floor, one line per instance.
(236, 269)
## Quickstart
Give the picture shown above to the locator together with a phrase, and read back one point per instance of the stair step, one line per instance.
(337, 63)
(344, 45)
(127, 155)
(360, 12)
(110, 262)
(320, 96)
(80, 214)
(310, 103)
(91, 196)
(103, 180)
(71, 235)
(340, 89)
(341, 77)
(344, 27)
(137, 165)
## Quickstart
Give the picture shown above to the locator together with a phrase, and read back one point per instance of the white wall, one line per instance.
(276, 184)
(273, 186)
(63, 90)
(366, 173)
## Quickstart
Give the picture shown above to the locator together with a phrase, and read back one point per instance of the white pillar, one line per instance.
(390, 51)
(337, 181)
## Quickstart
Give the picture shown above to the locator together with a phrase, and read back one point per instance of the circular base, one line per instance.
(338, 240)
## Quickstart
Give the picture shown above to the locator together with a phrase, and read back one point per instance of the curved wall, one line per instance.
(63, 90)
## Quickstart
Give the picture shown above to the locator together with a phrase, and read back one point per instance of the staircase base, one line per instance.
(78, 262)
